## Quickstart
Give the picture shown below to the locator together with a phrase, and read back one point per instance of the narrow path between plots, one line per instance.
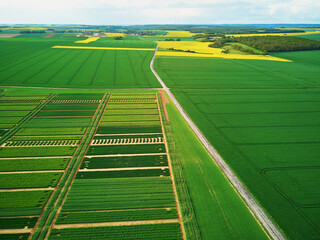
(250, 201)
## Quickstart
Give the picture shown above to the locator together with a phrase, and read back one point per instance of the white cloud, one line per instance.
(160, 11)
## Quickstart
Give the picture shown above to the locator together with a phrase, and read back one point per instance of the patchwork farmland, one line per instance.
(93, 144)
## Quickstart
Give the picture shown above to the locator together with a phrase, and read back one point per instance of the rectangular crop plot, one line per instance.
(22, 203)
(29, 180)
(63, 122)
(131, 112)
(15, 223)
(119, 193)
(65, 113)
(123, 174)
(124, 162)
(126, 149)
(139, 106)
(130, 124)
(115, 216)
(51, 131)
(130, 129)
(12, 165)
(71, 107)
(8, 152)
(143, 232)
(130, 118)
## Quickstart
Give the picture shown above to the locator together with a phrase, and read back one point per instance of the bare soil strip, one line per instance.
(40, 171)
(14, 231)
(252, 204)
(49, 35)
(120, 169)
(26, 189)
(164, 100)
(109, 224)
(126, 155)
(8, 35)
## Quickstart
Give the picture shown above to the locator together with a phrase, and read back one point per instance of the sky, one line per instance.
(131, 12)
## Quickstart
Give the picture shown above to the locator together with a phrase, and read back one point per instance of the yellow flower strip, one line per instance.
(90, 39)
(272, 34)
(104, 48)
(115, 34)
(202, 49)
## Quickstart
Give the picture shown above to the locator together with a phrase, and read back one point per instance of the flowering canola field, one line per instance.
(202, 49)
(115, 34)
(179, 34)
(271, 34)
(90, 39)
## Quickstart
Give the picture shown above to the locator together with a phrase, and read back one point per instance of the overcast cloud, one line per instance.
(128, 12)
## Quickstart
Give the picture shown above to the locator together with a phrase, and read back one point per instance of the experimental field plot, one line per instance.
(35, 153)
(124, 185)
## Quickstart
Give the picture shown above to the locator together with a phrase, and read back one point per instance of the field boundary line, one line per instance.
(173, 181)
(120, 169)
(26, 189)
(126, 155)
(23, 158)
(123, 223)
(251, 203)
(31, 171)
(127, 134)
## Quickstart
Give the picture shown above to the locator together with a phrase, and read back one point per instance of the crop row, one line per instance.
(124, 174)
(127, 141)
(143, 232)
(41, 143)
(125, 162)
(132, 100)
(119, 193)
(26, 164)
(73, 101)
(126, 149)
(14, 223)
(128, 129)
(115, 216)
(29, 180)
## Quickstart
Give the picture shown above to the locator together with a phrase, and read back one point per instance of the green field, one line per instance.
(116, 216)
(32, 62)
(263, 119)
(29, 180)
(144, 232)
(130, 161)
(119, 193)
(33, 164)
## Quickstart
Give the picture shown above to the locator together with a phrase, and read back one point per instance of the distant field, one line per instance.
(32, 62)
(263, 118)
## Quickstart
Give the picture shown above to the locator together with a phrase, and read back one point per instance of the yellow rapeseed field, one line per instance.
(271, 34)
(90, 39)
(115, 34)
(202, 49)
(179, 34)
(104, 48)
